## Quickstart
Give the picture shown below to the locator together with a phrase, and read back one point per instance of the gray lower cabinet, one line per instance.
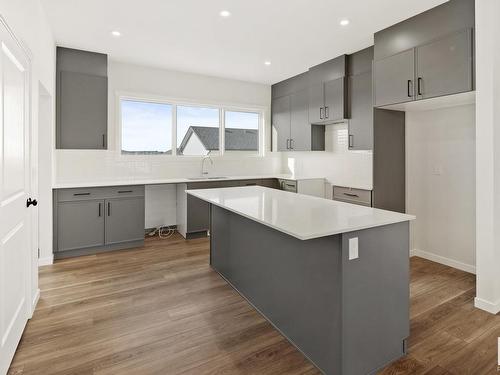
(444, 66)
(394, 78)
(90, 220)
(80, 224)
(124, 220)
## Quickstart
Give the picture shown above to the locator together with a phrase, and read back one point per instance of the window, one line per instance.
(197, 130)
(146, 127)
(150, 126)
(241, 131)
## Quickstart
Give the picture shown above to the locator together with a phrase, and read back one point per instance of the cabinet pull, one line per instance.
(352, 195)
(78, 194)
(104, 141)
(321, 113)
(409, 88)
(327, 112)
(99, 209)
(291, 143)
(109, 208)
(125, 191)
(351, 140)
(419, 86)
(287, 142)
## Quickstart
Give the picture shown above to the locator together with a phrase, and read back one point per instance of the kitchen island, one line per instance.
(332, 277)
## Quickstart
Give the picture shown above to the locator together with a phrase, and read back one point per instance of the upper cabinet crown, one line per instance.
(328, 91)
(81, 99)
(426, 56)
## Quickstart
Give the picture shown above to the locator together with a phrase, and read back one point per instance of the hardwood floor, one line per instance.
(160, 309)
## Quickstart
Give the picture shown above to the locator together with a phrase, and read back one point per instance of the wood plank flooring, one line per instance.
(160, 309)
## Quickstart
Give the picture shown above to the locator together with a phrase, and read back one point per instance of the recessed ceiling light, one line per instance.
(116, 33)
(225, 13)
(267, 63)
(344, 22)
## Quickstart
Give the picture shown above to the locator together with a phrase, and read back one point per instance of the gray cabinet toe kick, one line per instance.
(91, 220)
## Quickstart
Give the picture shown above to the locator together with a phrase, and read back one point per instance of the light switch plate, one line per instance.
(353, 248)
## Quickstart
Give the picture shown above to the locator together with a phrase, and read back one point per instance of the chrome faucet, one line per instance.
(203, 173)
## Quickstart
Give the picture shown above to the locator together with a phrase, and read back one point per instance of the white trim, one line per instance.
(443, 260)
(491, 307)
(47, 261)
(34, 302)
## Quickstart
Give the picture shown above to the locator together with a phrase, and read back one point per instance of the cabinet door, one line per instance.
(300, 128)
(80, 224)
(444, 66)
(281, 121)
(334, 100)
(317, 103)
(361, 121)
(83, 111)
(198, 215)
(124, 220)
(394, 79)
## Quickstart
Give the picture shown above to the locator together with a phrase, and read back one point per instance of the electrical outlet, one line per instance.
(353, 248)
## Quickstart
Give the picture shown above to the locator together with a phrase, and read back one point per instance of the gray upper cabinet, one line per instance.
(444, 66)
(426, 56)
(327, 91)
(394, 78)
(361, 122)
(281, 122)
(81, 99)
(300, 129)
(335, 93)
(83, 111)
(80, 224)
(317, 103)
(124, 220)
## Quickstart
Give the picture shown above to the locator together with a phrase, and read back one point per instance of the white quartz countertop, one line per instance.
(301, 216)
(180, 180)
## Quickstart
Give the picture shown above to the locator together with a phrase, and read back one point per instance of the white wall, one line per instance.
(95, 165)
(339, 165)
(488, 155)
(440, 187)
(28, 22)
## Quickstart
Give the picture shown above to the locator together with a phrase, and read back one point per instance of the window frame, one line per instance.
(174, 102)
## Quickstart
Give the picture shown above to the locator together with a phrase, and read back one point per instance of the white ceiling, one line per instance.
(191, 36)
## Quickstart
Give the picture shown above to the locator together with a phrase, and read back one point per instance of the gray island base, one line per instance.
(348, 317)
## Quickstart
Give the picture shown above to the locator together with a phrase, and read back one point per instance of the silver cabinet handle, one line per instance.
(100, 210)
(352, 195)
(109, 208)
(287, 144)
(321, 113)
(419, 86)
(327, 112)
(351, 140)
(104, 141)
(291, 143)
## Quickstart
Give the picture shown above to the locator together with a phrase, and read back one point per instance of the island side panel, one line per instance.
(375, 299)
(294, 284)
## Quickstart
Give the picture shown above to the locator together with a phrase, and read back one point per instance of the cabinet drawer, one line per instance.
(80, 194)
(352, 195)
(288, 185)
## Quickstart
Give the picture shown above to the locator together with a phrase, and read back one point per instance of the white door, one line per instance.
(15, 217)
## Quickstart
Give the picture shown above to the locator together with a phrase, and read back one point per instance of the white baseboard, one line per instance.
(491, 307)
(443, 260)
(34, 302)
(46, 261)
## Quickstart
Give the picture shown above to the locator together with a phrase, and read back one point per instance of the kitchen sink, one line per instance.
(207, 178)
